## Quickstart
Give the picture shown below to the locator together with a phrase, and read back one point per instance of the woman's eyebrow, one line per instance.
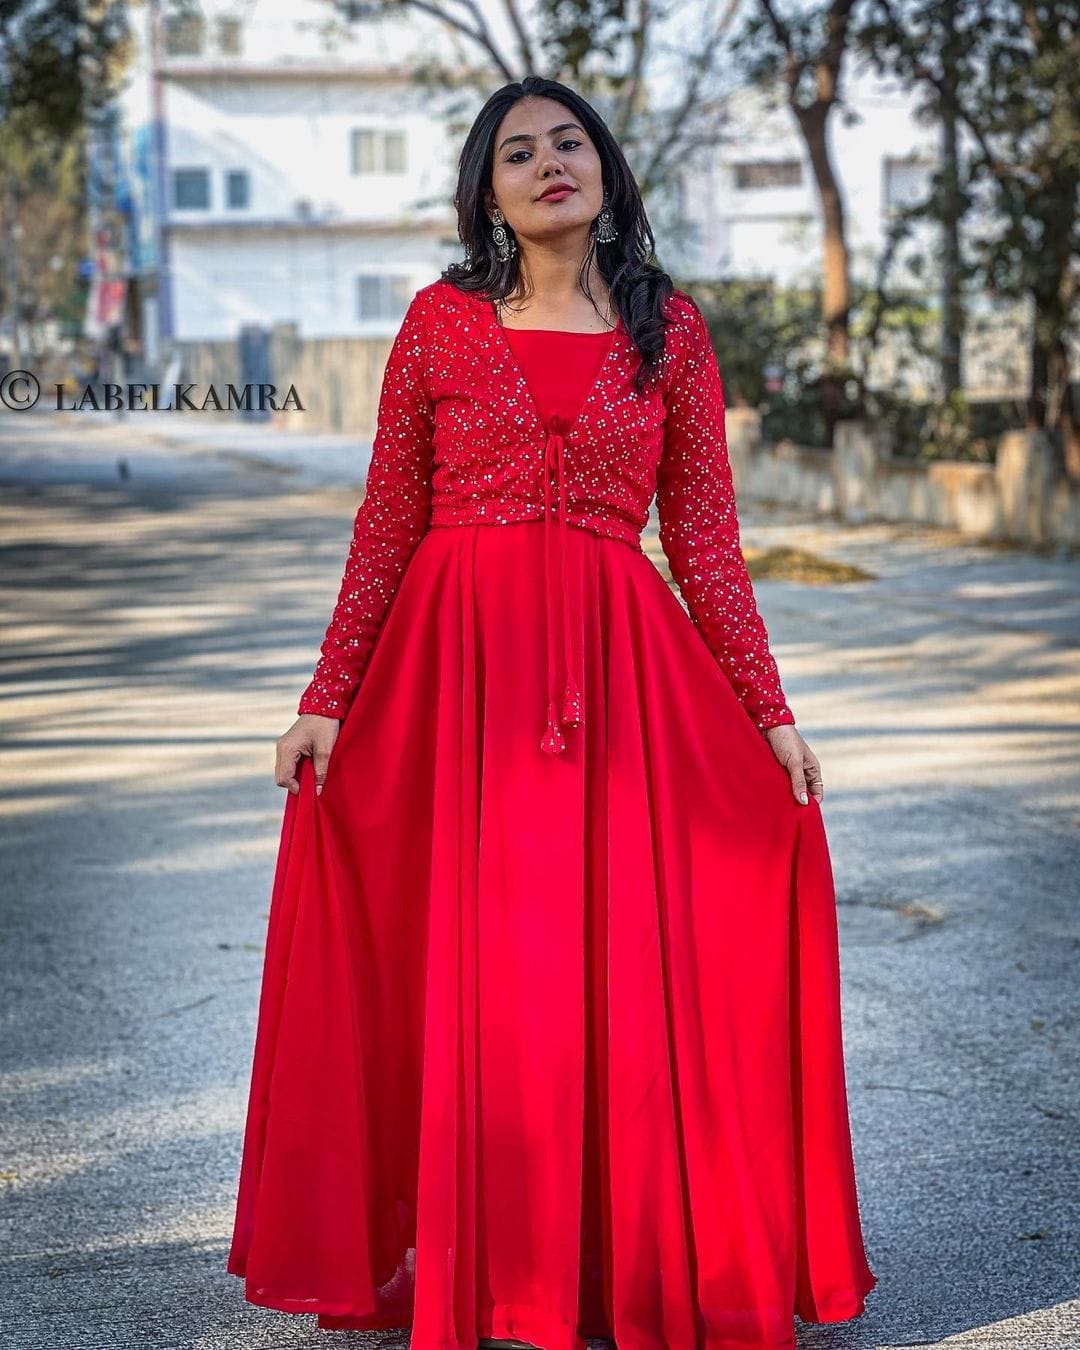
(528, 136)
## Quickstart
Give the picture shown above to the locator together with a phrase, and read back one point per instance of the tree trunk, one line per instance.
(1050, 402)
(836, 289)
(952, 309)
(11, 237)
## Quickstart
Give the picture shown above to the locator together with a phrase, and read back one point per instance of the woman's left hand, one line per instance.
(800, 761)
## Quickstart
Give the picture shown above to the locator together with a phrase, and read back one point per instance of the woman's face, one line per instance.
(539, 143)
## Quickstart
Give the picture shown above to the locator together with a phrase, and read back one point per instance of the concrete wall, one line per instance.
(336, 379)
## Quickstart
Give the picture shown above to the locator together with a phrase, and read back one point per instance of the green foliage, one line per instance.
(49, 201)
(1009, 71)
(768, 346)
(797, 412)
(760, 329)
(1006, 71)
(61, 61)
(944, 429)
(59, 65)
(756, 324)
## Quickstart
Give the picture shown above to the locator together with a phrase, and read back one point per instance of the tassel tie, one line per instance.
(553, 740)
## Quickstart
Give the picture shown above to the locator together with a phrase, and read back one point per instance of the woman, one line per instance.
(549, 1041)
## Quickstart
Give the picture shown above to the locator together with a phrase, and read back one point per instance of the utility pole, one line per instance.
(160, 342)
(12, 231)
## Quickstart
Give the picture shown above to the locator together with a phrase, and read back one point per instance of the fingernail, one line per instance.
(803, 798)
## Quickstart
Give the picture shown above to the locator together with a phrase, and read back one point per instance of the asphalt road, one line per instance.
(159, 627)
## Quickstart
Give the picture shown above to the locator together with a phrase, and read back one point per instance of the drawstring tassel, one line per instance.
(571, 708)
(552, 740)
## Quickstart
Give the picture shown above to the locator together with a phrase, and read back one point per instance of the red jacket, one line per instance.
(459, 440)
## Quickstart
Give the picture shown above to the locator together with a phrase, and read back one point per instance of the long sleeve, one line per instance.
(699, 527)
(392, 518)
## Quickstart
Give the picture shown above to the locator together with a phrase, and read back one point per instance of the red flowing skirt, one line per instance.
(549, 1046)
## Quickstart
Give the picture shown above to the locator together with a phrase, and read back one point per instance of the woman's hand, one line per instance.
(309, 735)
(800, 761)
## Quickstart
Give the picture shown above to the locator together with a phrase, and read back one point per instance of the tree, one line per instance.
(59, 63)
(804, 55)
(1005, 71)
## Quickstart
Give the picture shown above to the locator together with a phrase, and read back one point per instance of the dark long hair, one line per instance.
(638, 286)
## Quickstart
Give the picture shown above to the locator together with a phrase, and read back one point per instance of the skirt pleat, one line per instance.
(549, 1046)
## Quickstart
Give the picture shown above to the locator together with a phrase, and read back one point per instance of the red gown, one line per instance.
(549, 1041)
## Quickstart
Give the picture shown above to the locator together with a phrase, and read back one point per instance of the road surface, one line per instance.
(160, 621)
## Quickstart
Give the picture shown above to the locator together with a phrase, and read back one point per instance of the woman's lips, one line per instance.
(558, 195)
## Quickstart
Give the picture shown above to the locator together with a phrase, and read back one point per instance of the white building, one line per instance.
(308, 181)
(305, 182)
(753, 203)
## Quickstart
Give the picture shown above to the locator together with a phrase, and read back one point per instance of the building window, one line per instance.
(185, 34)
(228, 35)
(768, 174)
(363, 151)
(237, 190)
(394, 151)
(379, 296)
(907, 181)
(377, 151)
(191, 189)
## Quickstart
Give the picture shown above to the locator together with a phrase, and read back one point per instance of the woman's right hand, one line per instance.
(310, 735)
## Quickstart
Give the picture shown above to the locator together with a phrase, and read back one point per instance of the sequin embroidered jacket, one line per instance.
(459, 441)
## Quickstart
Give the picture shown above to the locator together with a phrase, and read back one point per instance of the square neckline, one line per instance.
(560, 332)
(612, 337)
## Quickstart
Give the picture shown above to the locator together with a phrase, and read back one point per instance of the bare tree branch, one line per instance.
(525, 51)
(700, 66)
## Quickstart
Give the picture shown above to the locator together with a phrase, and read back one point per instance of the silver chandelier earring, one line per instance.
(505, 243)
(606, 233)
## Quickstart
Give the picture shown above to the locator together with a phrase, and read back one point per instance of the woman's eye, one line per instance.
(513, 159)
